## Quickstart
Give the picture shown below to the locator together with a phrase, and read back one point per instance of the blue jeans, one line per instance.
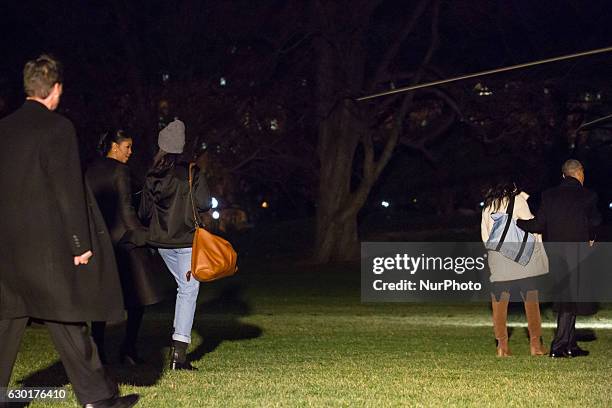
(179, 262)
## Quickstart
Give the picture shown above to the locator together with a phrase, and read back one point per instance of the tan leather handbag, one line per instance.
(212, 257)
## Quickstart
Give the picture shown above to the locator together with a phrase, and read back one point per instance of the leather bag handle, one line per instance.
(195, 215)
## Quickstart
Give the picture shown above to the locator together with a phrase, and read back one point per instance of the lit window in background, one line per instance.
(482, 90)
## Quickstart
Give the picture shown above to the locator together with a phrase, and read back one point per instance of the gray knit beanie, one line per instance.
(172, 137)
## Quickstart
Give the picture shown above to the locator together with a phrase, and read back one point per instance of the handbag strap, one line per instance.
(509, 211)
(195, 216)
(522, 249)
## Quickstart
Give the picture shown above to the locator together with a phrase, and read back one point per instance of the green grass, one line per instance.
(283, 334)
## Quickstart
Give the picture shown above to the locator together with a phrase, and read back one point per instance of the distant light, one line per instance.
(264, 204)
(483, 90)
(165, 77)
(222, 81)
(214, 203)
(216, 215)
(481, 204)
(274, 124)
(610, 206)
(385, 204)
(414, 200)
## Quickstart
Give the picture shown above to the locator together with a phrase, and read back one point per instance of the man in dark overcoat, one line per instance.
(567, 217)
(53, 247)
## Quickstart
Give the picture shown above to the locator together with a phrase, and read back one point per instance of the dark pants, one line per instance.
(77, 352)
(565, 335)
(132, 327)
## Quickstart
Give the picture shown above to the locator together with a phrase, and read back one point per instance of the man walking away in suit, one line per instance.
(567, 217)
(45, 237)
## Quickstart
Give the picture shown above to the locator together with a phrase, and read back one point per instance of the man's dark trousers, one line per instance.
(77, 352)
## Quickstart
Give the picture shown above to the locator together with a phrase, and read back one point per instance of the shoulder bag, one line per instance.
(508, 239)
(212, 257)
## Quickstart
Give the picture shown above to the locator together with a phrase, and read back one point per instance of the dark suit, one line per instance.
(45, 221)
(567, 217)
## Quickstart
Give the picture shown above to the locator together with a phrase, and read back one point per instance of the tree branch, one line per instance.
(391, 52)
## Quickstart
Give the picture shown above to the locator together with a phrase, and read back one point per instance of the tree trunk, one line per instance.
(341, 66)
(336, 233)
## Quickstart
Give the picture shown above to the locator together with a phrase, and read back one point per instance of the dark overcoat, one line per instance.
(44, 223)
(567, 213)
(144, 277)
(568, 218)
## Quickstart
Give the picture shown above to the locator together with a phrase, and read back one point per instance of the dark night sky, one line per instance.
(476, 34)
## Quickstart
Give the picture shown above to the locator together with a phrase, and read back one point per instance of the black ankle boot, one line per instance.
(178, 357)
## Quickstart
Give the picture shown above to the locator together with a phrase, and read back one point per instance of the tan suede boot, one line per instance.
(534, 323)
(500, 316)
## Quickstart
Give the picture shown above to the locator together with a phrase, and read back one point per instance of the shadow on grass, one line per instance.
(219, 322)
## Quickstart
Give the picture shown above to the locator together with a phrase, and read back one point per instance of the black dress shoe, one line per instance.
(126, 401)
(560, 354)
(577, 352)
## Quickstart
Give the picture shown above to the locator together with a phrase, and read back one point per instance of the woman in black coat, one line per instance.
(166, 207)
(139, 270)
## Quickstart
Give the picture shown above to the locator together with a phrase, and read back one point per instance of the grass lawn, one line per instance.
(284, 334)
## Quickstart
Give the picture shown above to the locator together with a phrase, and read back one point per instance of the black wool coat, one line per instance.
(567, 213)
(568, 218)
(143, 274)
(110, 182)
(45, 221)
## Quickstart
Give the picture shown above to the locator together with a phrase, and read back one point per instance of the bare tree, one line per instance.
(363, 136)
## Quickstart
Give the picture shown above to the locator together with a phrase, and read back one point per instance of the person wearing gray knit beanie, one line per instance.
(172, 137)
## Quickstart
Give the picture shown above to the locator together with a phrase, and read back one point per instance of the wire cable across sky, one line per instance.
(489, 72)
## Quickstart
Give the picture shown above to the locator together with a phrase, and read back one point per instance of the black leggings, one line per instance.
(514, 287)
(134, 320)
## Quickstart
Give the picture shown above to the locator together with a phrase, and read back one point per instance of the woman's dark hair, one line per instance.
(110, 137)
(497, 192)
